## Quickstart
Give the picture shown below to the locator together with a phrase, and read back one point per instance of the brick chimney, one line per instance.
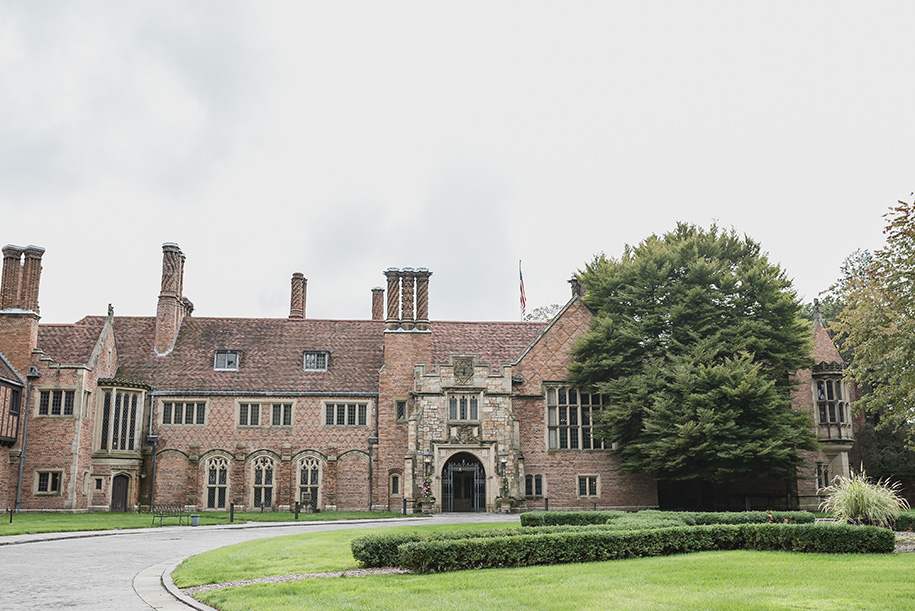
(172, 306)
(577, 289)
(19, 304)
(297, 299)
(408, 293)
(19, 289)
(377, 303)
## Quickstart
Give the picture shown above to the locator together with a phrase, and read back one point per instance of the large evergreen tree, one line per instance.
(694, 337)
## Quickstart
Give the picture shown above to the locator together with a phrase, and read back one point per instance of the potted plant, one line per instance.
(426, 500)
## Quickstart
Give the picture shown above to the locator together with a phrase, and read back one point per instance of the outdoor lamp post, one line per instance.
(427, 462)
(503, 460)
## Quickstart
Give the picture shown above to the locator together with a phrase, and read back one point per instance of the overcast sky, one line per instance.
(339, 139)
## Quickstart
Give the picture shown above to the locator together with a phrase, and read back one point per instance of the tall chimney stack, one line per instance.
(31, 277)
(12, 275)
(297, 298)
(170, 311)
(408, 293)
(393, 319)
(377, 303)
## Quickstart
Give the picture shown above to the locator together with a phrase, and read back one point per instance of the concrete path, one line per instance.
(119, 570)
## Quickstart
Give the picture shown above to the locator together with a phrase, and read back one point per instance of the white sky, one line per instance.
(339, 139)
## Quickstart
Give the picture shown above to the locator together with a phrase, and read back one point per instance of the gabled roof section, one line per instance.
(8, 373)
(494, 343)
(71, 344)
(271, 355)
(824, 349)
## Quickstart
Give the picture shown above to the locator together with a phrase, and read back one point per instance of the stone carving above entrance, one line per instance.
(464, 434)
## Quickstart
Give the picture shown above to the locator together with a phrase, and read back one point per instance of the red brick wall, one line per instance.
(547, 361)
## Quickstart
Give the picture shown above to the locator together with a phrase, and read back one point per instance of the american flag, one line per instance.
(523, 298)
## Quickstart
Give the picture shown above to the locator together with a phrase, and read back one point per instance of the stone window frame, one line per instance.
(120, 416)
(400, 415)
(45, 408)
(315, 360)
(285, 415)
(218, 466)
(226, 363)
(455, 397)
(48, 478)
(533, 481)
(395, 485)
(314, 465)
(592, 485)
(830, 396)
(263, 490)
(170, 412)
(579, 425)
(356, 418)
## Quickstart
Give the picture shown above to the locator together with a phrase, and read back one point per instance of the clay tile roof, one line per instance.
(271, 354)
(7, 373)
(824, 350)
(495, 343)
(72, 344)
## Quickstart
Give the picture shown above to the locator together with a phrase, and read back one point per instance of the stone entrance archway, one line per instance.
(463, 484)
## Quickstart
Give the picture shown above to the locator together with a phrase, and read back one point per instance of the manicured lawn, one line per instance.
(709, 580)
(706, 581)
(67, 522)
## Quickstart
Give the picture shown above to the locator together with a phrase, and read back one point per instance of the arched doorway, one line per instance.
(119, 485)
(463, 484)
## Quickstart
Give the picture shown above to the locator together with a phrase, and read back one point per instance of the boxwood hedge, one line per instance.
(552, 518)
(598, 545)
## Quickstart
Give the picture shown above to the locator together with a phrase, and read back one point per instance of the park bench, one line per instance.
(170, 510)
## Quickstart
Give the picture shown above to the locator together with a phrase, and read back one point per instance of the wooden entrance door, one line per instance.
(119, 486)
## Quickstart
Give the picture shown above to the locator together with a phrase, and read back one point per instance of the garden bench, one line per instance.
(170, 510)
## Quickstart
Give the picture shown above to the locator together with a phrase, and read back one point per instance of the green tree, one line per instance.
(877, 325)
(694, 336)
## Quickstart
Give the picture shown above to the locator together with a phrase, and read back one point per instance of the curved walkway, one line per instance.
(122, 569)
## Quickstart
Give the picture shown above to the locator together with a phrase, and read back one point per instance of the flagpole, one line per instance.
(523, 298)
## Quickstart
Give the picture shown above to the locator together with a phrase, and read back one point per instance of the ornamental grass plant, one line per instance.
(857, 500)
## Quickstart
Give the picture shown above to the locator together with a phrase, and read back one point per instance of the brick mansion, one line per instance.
(117, 413)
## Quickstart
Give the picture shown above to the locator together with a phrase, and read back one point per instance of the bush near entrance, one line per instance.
(691, 518)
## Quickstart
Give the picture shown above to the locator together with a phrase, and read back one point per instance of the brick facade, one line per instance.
(208, 412)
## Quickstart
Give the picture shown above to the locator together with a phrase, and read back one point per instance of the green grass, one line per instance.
(707, 581)
(305, 553)
(69, 522)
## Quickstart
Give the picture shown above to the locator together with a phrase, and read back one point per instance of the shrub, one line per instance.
(590, 545)
(554, 518)
(548, 518)
(906, 521)
(856, 500)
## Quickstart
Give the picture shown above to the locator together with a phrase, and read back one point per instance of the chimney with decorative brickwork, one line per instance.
(172, 306)
(408, 299)
(19, 304)
(297, 299)
(377, 303)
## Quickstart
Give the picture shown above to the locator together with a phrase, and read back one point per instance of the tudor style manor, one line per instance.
(122, 412)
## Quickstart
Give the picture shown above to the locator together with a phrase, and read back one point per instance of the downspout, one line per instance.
(31, 376)
(150, 436)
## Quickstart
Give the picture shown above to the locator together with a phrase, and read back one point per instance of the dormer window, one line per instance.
(315, 361)
(226, 360)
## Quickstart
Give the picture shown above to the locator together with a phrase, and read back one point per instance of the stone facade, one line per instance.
(124, 412)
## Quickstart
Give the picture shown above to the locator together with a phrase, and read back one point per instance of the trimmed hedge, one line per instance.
(599, 545)
(551, 518)
(578, 518)
(905, 521)
(382, 549)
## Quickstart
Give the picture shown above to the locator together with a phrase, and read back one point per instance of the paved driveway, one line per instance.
(96, 572)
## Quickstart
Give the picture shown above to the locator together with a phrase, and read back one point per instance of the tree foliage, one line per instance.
(877, 325)
(693, 338)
